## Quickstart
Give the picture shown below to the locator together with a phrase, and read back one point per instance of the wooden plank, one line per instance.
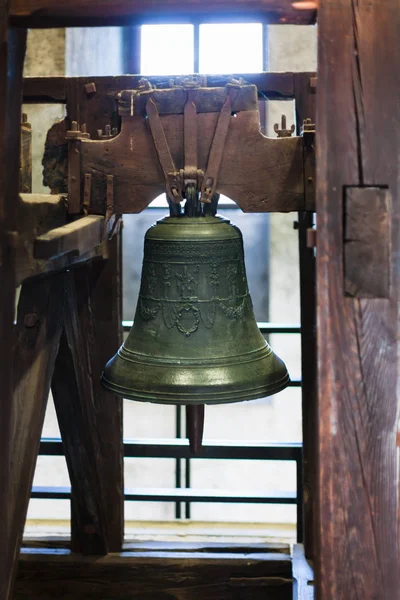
(78, 237)
(155, 576)
(81, 13)
(39, 90)
(367, 242)
(12, 51)
(103, 324)
(132, 159)
(38, 331)
(154, 546)
(73, 399)
(358, 552)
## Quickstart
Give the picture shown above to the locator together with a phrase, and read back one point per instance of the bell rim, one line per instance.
(222, 397)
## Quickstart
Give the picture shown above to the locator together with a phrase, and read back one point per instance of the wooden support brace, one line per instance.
(12, 52)
(102, 322)
(74, 402)
(38, 331)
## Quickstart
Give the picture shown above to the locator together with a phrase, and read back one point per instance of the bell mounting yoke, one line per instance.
(177, 181)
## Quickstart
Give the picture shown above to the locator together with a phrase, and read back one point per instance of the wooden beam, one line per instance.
(244, 176)
(101, 319)
(48, 90)
(82, 13)
(38, 331)
(358, 112)
(12, 52)
(305, 109)
(155, 576)
(74, 402)
(78, 237)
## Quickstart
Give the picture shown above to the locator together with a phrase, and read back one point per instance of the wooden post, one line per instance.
(38, 332)
(358, 145)
(305, 109)
(74, 402)
(105, 324)
(12, 52)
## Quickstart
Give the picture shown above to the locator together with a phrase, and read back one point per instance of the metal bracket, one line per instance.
(172, 176)
(283, 132)
(210, 179)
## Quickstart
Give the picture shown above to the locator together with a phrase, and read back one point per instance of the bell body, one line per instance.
(194, 339)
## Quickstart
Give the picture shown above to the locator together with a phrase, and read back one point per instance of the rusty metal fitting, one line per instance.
(90, 88)
(283, 132)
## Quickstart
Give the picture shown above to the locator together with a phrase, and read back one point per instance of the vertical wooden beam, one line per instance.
(74, 402)
(12, 52)
(358, 115)
(305, 109)
(38, 330)
(131, 43)
(104, 321)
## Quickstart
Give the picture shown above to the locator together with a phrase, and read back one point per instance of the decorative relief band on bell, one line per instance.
(178, 277)
(198, 363)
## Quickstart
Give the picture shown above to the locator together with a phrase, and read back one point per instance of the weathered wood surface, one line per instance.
(64, 13)
(245, 174)
(75, 407)
(25, 177)
(367, 242)
(358, 112)
(78, 237)
(305, 109)
(55, 158)
(12, 51)
(53, 542)
(38, 214)
(39, 90)
(102, 321)
(38, 330)
(154, 575)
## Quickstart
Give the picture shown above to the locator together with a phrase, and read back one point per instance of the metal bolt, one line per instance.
(30, 320)
(90, 88)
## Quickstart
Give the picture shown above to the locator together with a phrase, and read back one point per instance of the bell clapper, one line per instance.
(195, 426)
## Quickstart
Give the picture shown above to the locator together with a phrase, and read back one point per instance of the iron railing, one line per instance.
(178, 449)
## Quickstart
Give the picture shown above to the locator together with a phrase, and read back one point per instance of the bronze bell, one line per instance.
(194, 340)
